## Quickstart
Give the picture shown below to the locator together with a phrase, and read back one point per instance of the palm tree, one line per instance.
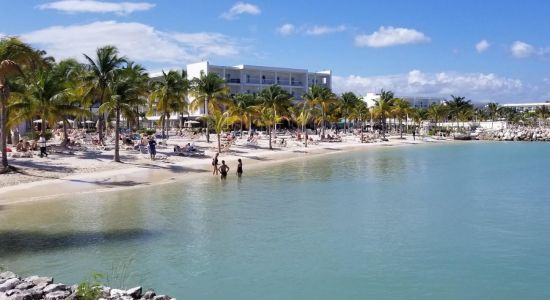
(465, 115)
(220, 121)
(276, 98)
(400, 109)
(437, 112)
(242, 107)
(543, 113)
(360, 113)
(14, 56)
(168, 95)
(46, 95)
(492, 108)
(102, 69)
(268, 117)
(383, 107)
(456, 105)
(127, 90)
(322, 97)
(347, 102)
(302, 114)
(210, 93)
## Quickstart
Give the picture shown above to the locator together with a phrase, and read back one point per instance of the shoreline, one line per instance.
(145, 175)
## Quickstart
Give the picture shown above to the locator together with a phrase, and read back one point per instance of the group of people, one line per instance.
(223, 169)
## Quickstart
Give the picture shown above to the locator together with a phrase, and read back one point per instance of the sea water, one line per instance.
(461, 221)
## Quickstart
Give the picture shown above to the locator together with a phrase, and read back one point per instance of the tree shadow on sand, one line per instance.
(17, 241)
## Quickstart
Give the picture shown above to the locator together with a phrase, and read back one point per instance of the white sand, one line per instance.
(94, 171)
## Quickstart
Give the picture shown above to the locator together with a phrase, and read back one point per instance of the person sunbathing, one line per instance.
(20, 146)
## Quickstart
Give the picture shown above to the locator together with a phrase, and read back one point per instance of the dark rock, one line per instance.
(36, 293)
(9, 284)
(57, 295)
(134, 292)
(161, 297)
(25, 285)
(12, 292)
(149, 295)
(54, 287)
(23, 296)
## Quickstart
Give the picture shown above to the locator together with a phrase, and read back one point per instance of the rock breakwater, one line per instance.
(13, 287)
(516, 134)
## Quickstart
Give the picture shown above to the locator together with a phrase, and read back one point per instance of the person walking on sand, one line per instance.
(215, 164)
(42, 144)
(152, 148)
(224, 169)
(414, 135)
(240, 168)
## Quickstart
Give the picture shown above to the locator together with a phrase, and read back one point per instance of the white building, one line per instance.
(248, 79)
(530, 106)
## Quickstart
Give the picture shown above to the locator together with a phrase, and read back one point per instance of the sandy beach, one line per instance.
(94, 171)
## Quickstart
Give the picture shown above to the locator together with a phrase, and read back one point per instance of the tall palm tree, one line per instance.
(322, 97)
(437, 112)
(277, 99)
(127, 92)
(456, 105)
(102, 70)
(210, 93)
(400, 109)
(46, 95)
(243, 108)
(302, 114)
(268, 117)
(543, 113)
(492, 109)
(220, 120)
(14, 56)
(383, 107)
(347, 102)
(168, 96)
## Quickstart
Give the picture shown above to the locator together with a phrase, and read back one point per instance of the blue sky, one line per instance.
(415, 48)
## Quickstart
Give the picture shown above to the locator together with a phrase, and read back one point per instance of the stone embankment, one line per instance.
(516, 134)
(13, 287)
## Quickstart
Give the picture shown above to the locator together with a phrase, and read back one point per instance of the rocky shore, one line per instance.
(13, 287)
(516, 134)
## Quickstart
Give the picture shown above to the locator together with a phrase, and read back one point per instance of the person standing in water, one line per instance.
(240, 168)
(215, 164)
(414, 134)
(224, 169)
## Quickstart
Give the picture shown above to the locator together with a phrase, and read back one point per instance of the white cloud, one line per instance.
(320, 30)
(92, 6)
(482, 46)
(521, 50)
(286, 29)
(241, 8)
(391, 36)
(475, 86)
(138, 41)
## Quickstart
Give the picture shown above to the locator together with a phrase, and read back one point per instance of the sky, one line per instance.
(484, 50)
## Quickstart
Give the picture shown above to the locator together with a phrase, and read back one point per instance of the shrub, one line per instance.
(91, 288)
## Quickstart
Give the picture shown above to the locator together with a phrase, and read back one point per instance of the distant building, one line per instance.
(418, 102)
(530, 106)
(248, 79)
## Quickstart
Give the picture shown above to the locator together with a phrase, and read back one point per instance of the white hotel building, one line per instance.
(248, 79)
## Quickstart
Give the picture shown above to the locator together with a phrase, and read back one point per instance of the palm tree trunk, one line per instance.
(65, 135)
(117, 136)
(219, 143)
(269, 133)
(4, 93)
(401, 128)
(241, 135)
(207, 115)
(306, 138)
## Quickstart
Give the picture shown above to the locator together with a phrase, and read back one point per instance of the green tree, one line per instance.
(277, 99)
(267, 117)
(102, 70)
(347, 103)
(210, 93)
(168, 96)
(322, 97)
(437, 112)
(14, 56)
(492, 109)
(383, 108)
(456, 105)
(220, 121)
(401, 108)
(242, 107)
(128, 88)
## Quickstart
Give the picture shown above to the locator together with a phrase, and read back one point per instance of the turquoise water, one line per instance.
(466, 221)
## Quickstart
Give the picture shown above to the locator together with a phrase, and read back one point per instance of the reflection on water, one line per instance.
(19, 242)
(446, 222)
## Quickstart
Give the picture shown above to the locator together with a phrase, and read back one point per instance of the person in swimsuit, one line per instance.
(224, 169)
(152, 148)
(240, 168)
(215, 164)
